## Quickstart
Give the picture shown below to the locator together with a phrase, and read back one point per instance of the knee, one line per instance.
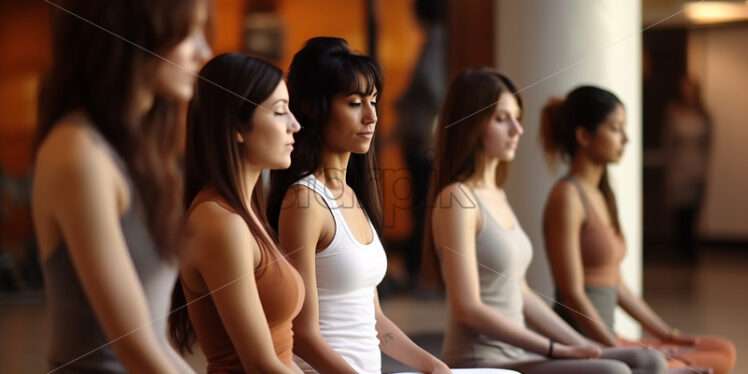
(614, 367)
(658, 363)
(721, 353)
(723, 345)
(651, 361)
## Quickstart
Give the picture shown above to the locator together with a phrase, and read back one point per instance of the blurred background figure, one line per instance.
(686, 141)
(417, 109)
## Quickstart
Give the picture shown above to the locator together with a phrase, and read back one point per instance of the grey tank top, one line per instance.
(77, 341)
(503, 256)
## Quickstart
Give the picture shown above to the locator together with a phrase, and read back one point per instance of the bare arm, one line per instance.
(394, 343)
(640, 311)
(544, 320)
(455, 227)
(562, 223)
(80, 190)
(300, 227)
(226, 255)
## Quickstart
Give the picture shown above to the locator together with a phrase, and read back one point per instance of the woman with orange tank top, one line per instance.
(241, 294)
(583, 235)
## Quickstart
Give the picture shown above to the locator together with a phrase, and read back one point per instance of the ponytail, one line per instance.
(551, 131)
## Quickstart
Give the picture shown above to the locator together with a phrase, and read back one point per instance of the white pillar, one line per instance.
(548, 47)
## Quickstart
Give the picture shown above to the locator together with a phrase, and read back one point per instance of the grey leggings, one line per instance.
(612, 361)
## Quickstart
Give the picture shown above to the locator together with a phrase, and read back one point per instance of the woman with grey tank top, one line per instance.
(475, 240)
(106, 194)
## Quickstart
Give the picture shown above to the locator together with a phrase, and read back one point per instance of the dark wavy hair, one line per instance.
(586, 107)
(224, 103)
(97, 72)
(323, 68)
(470, 102)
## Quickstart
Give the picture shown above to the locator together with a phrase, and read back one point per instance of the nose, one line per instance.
(625, 137)
(203, 51)
(370, 114)
(293, 125)
(516, 128)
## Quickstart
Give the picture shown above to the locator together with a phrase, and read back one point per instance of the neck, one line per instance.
(586, 170)
(250, 176)
(485, 175)
(333, 168)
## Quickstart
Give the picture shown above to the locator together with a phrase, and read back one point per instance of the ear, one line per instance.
(583, 136)
(239, 137)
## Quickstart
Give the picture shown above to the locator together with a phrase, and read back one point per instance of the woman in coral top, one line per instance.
(241, 293)
(583, 235)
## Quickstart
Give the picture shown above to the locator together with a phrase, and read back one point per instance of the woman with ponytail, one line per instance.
(240, 293)
(583, 236)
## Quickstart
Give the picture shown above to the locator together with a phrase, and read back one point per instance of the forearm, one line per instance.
(137, 355)
(296, 369)
(313, 349)
(396, 344)
(544, 320)
(640, 311)
(497, 326)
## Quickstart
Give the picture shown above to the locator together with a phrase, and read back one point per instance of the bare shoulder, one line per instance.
(71, 147)
(564, 201)
(73, 163)
(209, 222)
(301, 202)
(455, 197)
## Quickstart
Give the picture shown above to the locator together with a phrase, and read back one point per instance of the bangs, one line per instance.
(359, 75)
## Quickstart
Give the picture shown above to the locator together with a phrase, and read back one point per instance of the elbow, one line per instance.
(269, 365)
(304, 338)
(466, 313)
(570, 295)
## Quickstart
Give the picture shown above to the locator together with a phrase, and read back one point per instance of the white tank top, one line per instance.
(348, 273)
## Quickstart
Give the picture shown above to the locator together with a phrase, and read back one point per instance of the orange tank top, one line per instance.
(281, 293)
(602, 247)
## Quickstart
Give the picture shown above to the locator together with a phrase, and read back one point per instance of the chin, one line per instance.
(285, 164)
(361, 150)
(180, 93)
(509, 156)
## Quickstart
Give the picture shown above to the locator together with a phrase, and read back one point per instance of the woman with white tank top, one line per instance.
(327, 211)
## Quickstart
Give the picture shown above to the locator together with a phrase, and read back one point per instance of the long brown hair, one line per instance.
(586, 107)
(471, 100)
(323, 68)
(224, 103)
(96, 72)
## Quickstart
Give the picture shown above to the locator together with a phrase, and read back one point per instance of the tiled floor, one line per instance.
(711, 298)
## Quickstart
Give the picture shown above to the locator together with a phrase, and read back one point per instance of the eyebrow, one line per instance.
(279, 101)
(362, 94)
(509, 112)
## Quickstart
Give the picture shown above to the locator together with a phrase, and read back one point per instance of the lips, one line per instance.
(366, 134)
